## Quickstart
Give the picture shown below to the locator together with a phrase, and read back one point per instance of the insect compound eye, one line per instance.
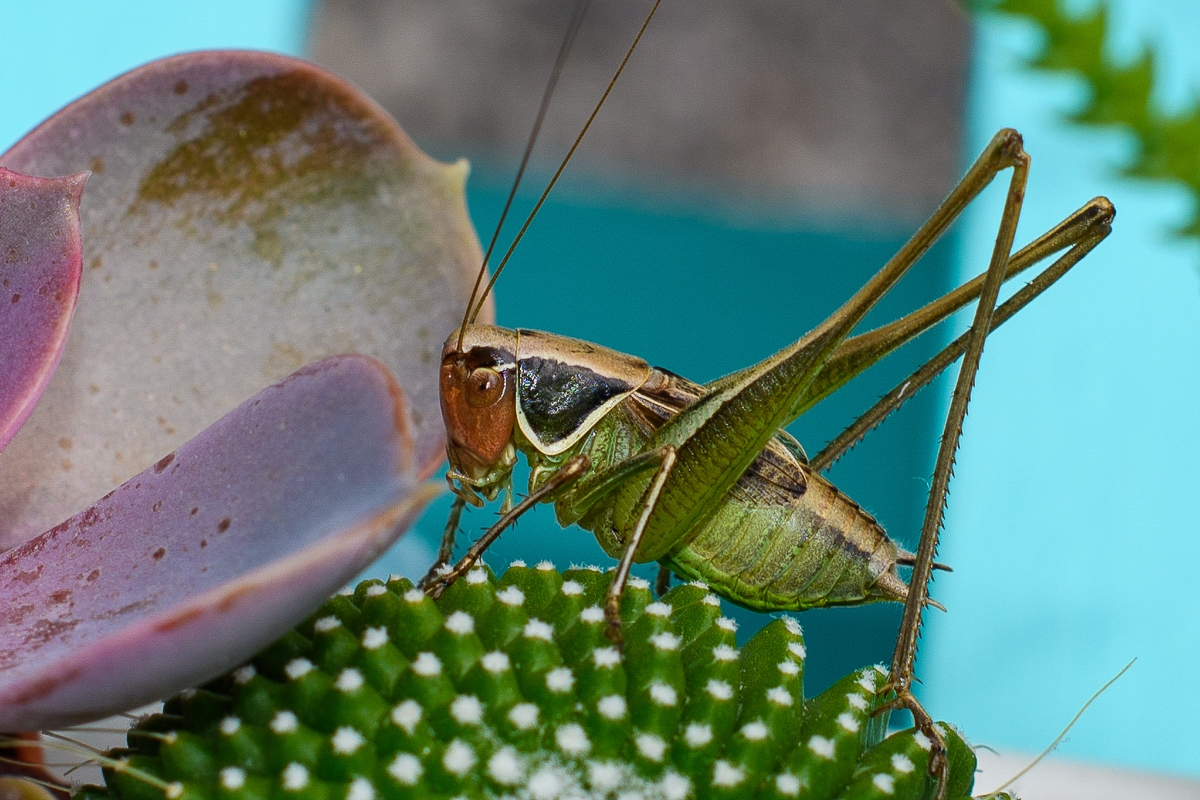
(484, 387)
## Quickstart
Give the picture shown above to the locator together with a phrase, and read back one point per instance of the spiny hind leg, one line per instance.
(901, 678)
(1079, 234)
(436, 584)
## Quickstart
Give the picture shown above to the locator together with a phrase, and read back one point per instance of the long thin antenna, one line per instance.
(559, 62)
(1066, 730)
(563, 165)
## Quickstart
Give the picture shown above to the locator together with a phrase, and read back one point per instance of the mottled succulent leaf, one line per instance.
(247, 214)
(186, 569)
(40, 258)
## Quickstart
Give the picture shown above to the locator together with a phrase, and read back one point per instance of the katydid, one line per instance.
(703, 478)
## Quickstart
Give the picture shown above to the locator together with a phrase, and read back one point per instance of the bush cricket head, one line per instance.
(479, 407)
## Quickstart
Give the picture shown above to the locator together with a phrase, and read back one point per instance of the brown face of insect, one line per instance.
(478, 393)
(479, 409)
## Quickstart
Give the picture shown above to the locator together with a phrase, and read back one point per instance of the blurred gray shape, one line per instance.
(848, 108)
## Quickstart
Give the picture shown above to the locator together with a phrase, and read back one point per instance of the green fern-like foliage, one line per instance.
(508, 688)
(1167, 144)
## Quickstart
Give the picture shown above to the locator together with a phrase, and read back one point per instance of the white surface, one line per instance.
(1061, 779)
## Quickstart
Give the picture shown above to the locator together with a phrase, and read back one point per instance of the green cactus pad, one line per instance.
(507, 688)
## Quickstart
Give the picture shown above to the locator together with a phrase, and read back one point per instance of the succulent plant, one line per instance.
(249, 219)
(508, 688)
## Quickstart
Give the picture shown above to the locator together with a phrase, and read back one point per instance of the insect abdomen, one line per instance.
(782, 539)
(819, 549)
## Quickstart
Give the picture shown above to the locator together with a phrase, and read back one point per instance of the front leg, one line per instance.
(598, 487)
(446, 549)
(901, 677)
(436, 585)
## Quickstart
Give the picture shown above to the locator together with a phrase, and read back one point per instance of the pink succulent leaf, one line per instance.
(40, 258)
(248, 213)
(186, 569)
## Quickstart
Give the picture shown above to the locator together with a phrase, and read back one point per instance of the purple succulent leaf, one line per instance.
(248, 213)
(40, 258)
(185, 570)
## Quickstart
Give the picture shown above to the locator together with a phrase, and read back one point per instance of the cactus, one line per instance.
(508, 688)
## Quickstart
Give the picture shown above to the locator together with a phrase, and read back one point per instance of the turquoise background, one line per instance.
(53, 51)
(1070, 528)
(1072, 523)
